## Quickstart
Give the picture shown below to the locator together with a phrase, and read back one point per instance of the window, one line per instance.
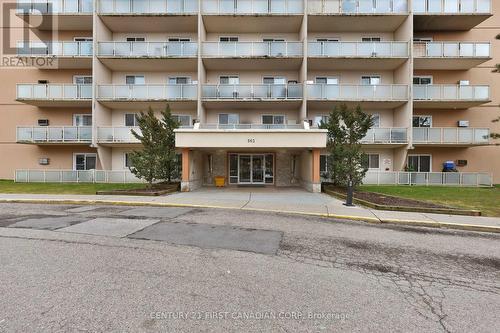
(274, 80)
(82, 79)
(370, 80)
(128, 161)
(136, 39)
(229, 118)
(228, 39)
(229, 79)
(323, 164)
(273, 119)
(319, 119)
(376, 120)
(327, 80)
(179, 80)
(422, 80)
(371, 161)
(82, 120)
(82, 39)
(419, 163)
(183, 120)
(135, 79)
(178, 39)
(85, 161)
(422, 121)
(325, 40)
(131, 119)
(422, 39)
(370, 39)
(269, 40)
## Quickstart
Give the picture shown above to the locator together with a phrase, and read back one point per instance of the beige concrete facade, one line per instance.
(211, 62)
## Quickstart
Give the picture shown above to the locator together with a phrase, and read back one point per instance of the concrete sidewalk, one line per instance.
(288, 200)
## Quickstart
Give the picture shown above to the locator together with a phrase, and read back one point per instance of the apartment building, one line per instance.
(250, 80)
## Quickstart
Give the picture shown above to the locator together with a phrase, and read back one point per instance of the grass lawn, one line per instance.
(9, 186)
(487, 200)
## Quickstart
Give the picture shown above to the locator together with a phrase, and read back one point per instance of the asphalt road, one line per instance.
(125, 269)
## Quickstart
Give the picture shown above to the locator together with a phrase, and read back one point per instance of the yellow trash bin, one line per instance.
(219, 181)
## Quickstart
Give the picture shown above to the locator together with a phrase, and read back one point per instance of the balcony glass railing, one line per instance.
(76, 176)
(54, 6)
(148, 49)
(358, 49)
(386, 135)
(451, 6)
(252, 126)
(54, 91)
(357, 6)
(428, 178)
(252, 49)
(451, 135)
(54, 134)
(385, 92)
(148, 6)
(147, 92)
(253, 7)
(451, 50)
(58, 48)
(443, 92)
(252, 91)
(117, 134)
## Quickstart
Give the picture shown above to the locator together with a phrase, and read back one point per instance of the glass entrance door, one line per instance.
(251, 169)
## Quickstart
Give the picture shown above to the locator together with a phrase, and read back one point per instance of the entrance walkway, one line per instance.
(284, 200)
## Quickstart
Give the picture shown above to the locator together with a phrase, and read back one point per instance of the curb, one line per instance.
(419, 223)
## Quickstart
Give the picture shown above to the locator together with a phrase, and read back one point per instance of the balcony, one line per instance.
(252, 55)
(252, 15)
(428, 178)
(358, 15)
(322, 96)
(76, 176)
(450, 55)
(54, 135)
(62, 54)
(55, 95)
(178, 96)
(359, 55)
(73, 15)
(451, 136)
(448, 15)
(386, 137)
(117, 136)
(149, 15)
(148, 56)
(250, 136)
(449, 96)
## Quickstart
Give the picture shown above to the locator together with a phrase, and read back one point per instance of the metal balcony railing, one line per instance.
(54, 134)
(54, 6)
(148, 49)
(148, 7)
(147, 92)
(452, 49)
(357, 6)
(382, 92)
(253, 91)
(386, 135)
(252, 7)
(54, 91)
(359, 49)
(76, 176)
(451, 135)
(55, 48)
(451, 6)
(475, 179)
(269, 127)
(117, 134)
(252, 49)
(442, 92)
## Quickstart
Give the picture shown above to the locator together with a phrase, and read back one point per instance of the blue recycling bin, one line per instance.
(449, 166)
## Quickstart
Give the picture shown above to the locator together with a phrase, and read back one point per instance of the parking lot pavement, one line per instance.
(109, 226)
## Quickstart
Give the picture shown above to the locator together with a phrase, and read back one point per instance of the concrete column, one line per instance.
(315, 177)
(185, 170)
